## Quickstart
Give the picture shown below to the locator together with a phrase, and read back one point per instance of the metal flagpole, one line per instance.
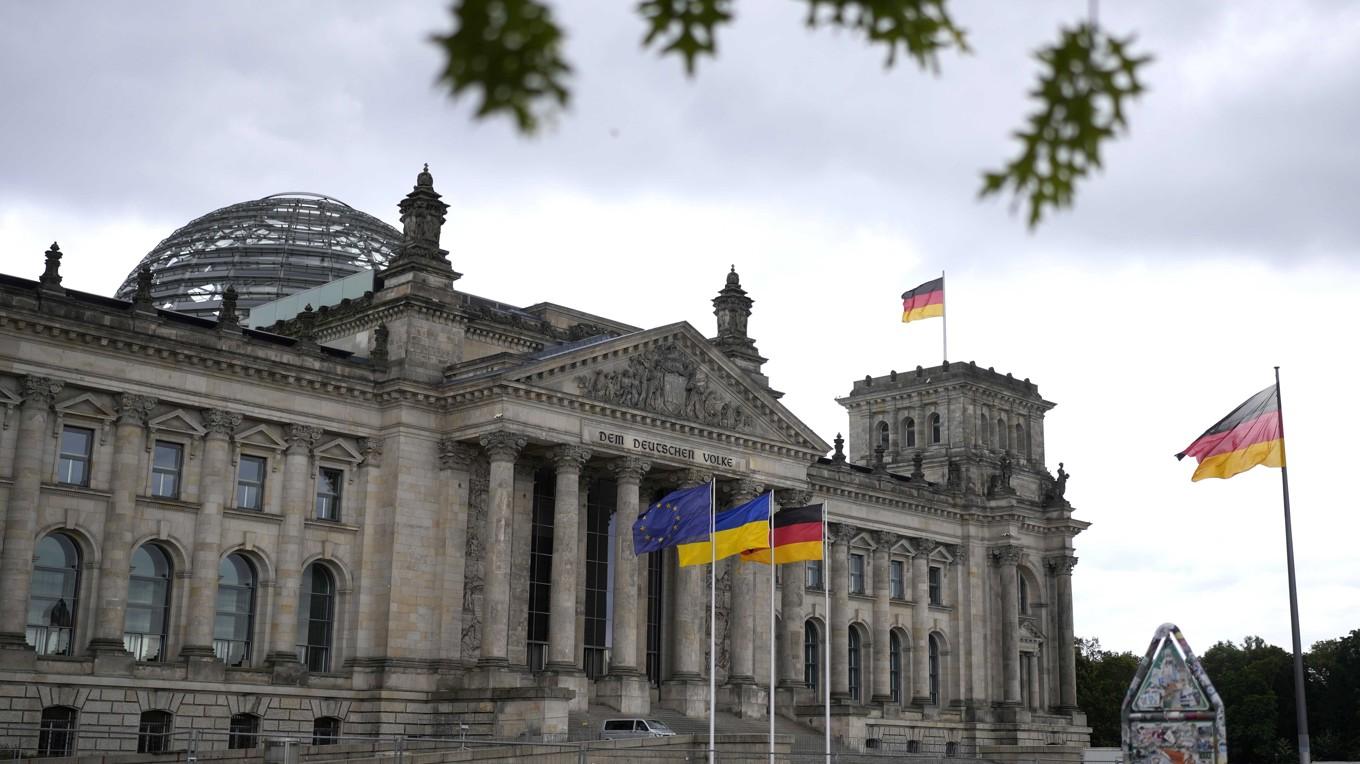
(770, 542)
(712, 614)
(826, 669)
(1300, 698)
(944, 318)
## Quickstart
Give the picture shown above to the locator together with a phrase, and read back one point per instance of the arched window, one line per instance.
(316, 615)
(1021, 445)
(148, 604)
(54, 596)
(854, 663)
(895, 666)
(936, 435)
(812, 653)
(909, 432)
(325, 730)
(243, 731)
(1023, 589)
(883, 436)
(153, 733)
(57, 731)
(235, 619)
(933, 668)
(1000, 434)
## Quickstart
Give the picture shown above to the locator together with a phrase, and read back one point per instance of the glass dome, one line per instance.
(267, 248)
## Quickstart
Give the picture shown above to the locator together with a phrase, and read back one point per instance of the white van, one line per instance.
(618, 729)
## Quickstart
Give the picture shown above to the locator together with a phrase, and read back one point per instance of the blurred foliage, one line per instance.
(509, 52)
(1102, 679)
(1082, 97)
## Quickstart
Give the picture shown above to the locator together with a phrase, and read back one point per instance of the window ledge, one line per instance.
(861, 596)
(168, 503)
(252, 514)
(942, 608)
(79, 490)
(331, 525)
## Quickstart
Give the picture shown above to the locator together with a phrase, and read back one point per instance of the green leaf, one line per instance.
(921, 28)
(508, 52)
(1085, 81)
(685, 27)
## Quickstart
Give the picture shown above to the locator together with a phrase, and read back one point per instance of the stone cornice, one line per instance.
(858, 403)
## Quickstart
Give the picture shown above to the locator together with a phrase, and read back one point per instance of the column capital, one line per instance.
(454, 454)
(135, 409)
(839, 533)
(569, 458)
(503, 445)
(1007, 554)
(1061, 564)
(40, 391)
(793, 497)
(221, 422)
(746, 489)
(884, 540)
(693, 477)
(629, 469)
(922, 547)
(960, 552)
(302, 438)
(371, 449)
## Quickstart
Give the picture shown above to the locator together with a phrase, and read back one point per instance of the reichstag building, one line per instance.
(292, 481)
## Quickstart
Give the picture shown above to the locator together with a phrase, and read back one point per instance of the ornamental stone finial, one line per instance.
(570, 458)
(302, 437)
(839, 455)
(141, 299)
(41, 391)
(629, 469)
(51, 276)
(422, 220)
(221, 421)
(381, 336)
(503, 445)
(227, 315)
(135, 409)
(918, 461)
(454, 454)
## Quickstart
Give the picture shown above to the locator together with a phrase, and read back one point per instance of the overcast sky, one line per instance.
(1223, 237)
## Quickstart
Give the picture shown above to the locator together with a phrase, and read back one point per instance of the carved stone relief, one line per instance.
(666, 380)
(474, 579)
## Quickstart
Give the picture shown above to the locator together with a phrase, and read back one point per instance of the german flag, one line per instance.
(797, 536)
(925, 301)
(1252, 434)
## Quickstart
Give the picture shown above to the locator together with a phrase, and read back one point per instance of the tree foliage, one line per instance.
(1103, 678)
(509, 52)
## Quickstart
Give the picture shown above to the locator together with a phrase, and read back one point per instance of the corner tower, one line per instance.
(971, 428)
(733, 308)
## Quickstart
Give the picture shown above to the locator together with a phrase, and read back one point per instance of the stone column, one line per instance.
(297, 505)
(741, 612)
(920, 638)
(1006, 559)
(1061, 567)
(16, 559)
(838, 620)
(455, 463)
(687, 691)
(625, 688)
(791, 606)
(503, 449)
(217, 473)
(566, 558)
(882, 617)
(1035, 699)
(129, 441)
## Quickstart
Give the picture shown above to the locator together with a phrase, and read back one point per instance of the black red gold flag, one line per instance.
(1252, 434)
(797, 536)
(925, 301)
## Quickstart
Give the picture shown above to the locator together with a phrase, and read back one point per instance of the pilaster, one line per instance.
(198, 649)
(502, 448)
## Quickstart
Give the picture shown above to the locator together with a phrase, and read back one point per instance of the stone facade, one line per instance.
(411, 512)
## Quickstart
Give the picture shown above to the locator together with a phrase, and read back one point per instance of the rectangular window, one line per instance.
(813, 574)
(936, 585)
(250, 483)
(329, 483)
(165, 468)
(856, 574)
(74, 465)
(599, 516)
(896, 577)
(540, 570)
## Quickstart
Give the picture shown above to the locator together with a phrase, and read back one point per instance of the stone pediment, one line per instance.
(675, 373)
(178, 421)
(338, 450)
(261, 436)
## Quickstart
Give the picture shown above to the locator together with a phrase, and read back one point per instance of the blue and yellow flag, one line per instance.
(740, 529)
(680, 517)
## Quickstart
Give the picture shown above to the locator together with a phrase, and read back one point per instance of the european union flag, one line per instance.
(679, 518)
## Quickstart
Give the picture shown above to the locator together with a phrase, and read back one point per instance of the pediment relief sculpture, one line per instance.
(667, 381)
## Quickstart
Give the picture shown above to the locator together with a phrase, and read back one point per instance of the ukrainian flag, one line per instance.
(737, 530)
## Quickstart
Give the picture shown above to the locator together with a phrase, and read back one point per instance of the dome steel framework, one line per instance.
(267, 248)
